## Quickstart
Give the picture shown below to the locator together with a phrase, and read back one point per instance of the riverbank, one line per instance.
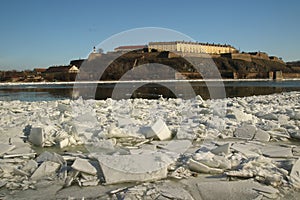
(142, 81)
(137, 148)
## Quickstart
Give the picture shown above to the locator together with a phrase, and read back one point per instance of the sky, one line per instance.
(43, 33)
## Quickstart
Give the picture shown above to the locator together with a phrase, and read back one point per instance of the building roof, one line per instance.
(40, 69)
(77, 63)
(184, 42)
(131, 47)
(58, 69)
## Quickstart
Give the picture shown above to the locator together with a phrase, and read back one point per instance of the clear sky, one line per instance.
(41, 33)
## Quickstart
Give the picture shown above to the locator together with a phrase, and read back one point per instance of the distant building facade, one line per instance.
(62, 69)
(191, 47)
(61, 73)
(39, 71)
(130, 48)
(77, 63)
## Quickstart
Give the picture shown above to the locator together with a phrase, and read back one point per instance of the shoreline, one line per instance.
(145, 81)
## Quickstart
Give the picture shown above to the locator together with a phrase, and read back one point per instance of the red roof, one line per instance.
(58, 69)
(40, 69)
(131, 47)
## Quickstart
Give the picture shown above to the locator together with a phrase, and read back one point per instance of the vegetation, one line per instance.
(116, 68)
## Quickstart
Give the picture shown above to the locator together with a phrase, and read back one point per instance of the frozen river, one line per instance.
(232, 148)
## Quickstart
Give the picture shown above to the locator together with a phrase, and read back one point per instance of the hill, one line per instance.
(228, 68)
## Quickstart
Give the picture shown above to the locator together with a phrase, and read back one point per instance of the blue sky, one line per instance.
(41, 33)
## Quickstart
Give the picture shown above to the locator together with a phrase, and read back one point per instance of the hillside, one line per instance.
(258, 68)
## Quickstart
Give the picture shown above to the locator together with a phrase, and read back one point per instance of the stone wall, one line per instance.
(275, 59)
(238, 56)
(259, 55)
(291, 75)
(278, 75)
(197, 55)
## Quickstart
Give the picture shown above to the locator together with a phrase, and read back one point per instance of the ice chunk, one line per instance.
(2, 183)
(20, 172)
(30, 166)
(4, 148)
(177, 146)
(62, 107)
(295, 174)
(246, 149)
(270, 116)
(63, 143)
(123, 122)
(48, 156)
(239, 115)
(283, 119)
(223, 149)
(83, 165)
(134, 168)
(245, 132)
(173, 191)
(47, 168)
(296, 116)
(24, 155)
(158, 129)
(72, 140)
(22, 148)
(36, 136)
(277, 152)
(202, 168)
(295, 134)
(228, 190)
(261, 135)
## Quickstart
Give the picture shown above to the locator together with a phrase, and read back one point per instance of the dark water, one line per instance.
(47, 92)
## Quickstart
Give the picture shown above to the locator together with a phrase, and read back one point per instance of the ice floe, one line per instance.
(136, 147)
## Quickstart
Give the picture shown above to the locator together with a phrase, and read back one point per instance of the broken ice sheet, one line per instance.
(47, 168)
(134, 168)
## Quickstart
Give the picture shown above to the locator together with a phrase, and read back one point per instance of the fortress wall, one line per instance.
(278, 75)
(276, 59)
(251, 75)
(173, 55)
(260, 55)
(290, 75)
(238, 56)
(198, 55)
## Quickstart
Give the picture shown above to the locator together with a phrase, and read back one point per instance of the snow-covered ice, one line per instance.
(137, 141)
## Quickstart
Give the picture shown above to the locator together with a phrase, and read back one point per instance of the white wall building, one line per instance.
(191, 47)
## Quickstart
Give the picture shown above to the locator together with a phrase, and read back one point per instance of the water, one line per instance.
(48, 92)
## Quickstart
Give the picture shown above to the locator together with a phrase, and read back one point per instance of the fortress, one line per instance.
(181, 47)
(198, 49)
(192, 47)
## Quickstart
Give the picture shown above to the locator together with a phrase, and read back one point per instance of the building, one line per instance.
(130, 48)
(191, 47)
(63, 69)
(77, 63)
(61, 73)
(39, 71)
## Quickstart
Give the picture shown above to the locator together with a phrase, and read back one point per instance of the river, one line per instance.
(149, 90)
